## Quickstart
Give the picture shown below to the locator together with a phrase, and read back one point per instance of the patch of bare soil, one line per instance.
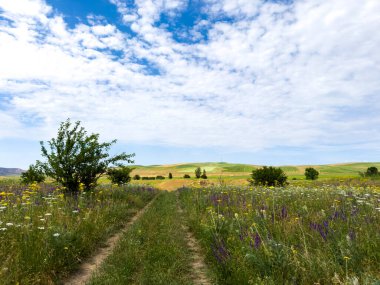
(86, 269)
(197, 260)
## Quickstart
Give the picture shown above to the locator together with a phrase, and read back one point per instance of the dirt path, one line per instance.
(198, 264)
(86, 269)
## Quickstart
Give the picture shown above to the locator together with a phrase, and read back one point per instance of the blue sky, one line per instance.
(251, 81)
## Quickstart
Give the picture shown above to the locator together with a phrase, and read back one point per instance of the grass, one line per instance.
(306, 234)
(153, 251)
(44, 236)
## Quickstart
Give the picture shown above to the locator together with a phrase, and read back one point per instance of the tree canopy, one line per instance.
(75, 157)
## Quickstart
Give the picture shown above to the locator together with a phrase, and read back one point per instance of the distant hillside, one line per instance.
(236, 169)
(10, 171)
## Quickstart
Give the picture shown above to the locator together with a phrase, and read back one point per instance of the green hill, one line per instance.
(238, 169)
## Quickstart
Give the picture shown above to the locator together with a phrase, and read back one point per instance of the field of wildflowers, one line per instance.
(45, 235)
(303, 234)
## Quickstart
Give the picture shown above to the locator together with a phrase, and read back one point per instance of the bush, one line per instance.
(186, 176)
(372, 171)
(34, 174)
(204, 175)
(269, 176)
(198, 172)
(311, 173)
(136, 177)
(120, 175)
(159, 177)
(148, 178)
(170, 175)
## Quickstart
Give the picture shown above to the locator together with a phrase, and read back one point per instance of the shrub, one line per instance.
(136, 177)
(372, 171)
(186, 176)
(269, 176)
(120, 175)
(198, 172)
(77, 158)
(204, 175)
(34, 173)
(170, 175)
(148, 178)
(311, 173)
(160, 177)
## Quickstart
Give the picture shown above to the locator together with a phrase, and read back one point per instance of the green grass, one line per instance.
(305, 234)
(153, 251)
(44, 236)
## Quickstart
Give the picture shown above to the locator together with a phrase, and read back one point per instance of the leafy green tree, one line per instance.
(198, 172)
(136, 177)
(269, 176)
(74, 157)
(204, 175)
(170, 175)
(120, 175)
(311, 173)
(372, 171)
(35, 173)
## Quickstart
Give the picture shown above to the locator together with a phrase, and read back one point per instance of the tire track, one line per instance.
(197, 260)
(86, 269)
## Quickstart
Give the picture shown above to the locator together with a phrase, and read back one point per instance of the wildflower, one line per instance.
(346, 258)
(66, 248)
(9, 224)
(56, 235)
(3, 229)
(48, 214)
(27, 218)
(41, 228)
(75, 211)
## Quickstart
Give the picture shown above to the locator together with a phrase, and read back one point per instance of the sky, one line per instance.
(275, 82)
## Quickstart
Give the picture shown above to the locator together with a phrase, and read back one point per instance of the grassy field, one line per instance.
(237, 174)
(325, 234)
(44, 235)
(310, 232)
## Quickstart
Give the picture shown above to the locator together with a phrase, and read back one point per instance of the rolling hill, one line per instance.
(10, 171)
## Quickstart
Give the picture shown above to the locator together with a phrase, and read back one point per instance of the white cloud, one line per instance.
(277, 75)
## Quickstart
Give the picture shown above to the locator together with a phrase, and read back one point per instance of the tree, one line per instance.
(204, 175)
(120, 175)
(372, 171)
(269, 176)
(76, 158)
(311, 173)
(136, 177)
(170, 175)
(198, 172)
(34, 173)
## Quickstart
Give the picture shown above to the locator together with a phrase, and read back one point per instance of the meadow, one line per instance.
(44, 235)
(325, 234)
(309, 232)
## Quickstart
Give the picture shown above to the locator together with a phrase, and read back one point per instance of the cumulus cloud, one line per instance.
(269, 73)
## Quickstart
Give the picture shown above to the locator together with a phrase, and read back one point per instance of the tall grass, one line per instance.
(153, 251)
(44, 236)
(326, 234)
